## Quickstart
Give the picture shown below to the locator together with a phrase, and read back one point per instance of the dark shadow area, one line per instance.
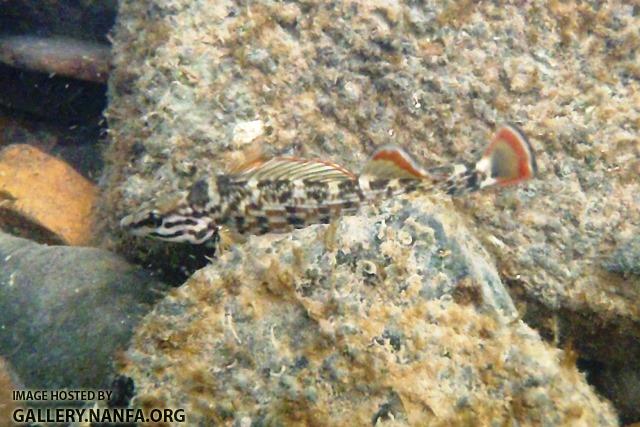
(85, 20)
(60, 100)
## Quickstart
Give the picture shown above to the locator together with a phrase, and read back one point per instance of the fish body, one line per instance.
(285, 193)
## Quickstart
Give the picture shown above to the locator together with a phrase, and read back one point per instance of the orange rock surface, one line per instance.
(44, 198)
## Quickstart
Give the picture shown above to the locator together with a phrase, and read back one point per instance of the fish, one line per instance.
(281, 194)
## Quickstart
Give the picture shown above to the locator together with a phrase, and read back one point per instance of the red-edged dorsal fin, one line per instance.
(293, 168)
(509, 158)
(392, 162)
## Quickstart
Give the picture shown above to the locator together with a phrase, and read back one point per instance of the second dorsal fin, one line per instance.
(393, 162)
(293, 168)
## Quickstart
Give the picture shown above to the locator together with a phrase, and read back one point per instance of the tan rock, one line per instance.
(393, 319)
(337, 81)
(44, 198)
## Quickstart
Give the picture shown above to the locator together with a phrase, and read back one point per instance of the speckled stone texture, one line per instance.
(395, 318)
(195, 81)
(8, 382)
(65, 312)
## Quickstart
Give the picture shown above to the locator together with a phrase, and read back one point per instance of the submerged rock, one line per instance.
(8, 383)
(80, 147)
(625, 259)
(44, 198)
(396, 317)
(64, 56)
(335, 79)
(66, 311)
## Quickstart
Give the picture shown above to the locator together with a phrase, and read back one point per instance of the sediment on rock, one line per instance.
(335, 80)
(66, 311)
(397, 317)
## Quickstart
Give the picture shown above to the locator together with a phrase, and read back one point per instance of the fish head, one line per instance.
(171, 226)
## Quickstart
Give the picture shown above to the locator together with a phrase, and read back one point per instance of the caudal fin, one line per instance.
(507, 160)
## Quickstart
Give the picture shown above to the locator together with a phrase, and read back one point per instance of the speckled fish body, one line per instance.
(285, 193)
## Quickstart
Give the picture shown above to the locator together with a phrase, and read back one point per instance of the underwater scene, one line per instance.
(316, 213)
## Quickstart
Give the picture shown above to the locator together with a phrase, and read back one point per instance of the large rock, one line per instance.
(45, 198)
(397, 316)
(57, 55)
(334, 80)
(8, 383)
(65, 311)
(45, 94)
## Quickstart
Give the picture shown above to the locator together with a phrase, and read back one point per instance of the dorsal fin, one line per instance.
(293, 168)
(236, 162)
(392, 162)
(509, 158)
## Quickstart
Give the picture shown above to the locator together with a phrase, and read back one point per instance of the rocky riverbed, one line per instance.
(516, 305)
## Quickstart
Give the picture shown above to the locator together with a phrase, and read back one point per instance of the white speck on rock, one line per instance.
(245, 132)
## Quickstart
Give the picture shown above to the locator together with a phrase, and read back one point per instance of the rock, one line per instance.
(8, 383)
(44, 198)
(65, 312)
(78, 146)
(63, 56)
(625, 259)
(334, 80)
(397, 317)
(53, 37)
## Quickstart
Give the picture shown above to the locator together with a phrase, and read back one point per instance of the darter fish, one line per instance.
(285, 193)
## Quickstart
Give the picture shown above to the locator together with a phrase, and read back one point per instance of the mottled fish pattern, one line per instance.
(285, 193)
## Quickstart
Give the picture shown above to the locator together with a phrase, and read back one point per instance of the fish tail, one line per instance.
(507, 160)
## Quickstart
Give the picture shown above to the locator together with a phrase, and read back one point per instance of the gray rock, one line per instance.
(625, 259)
(65, 311)
(62, 56)
(334, 80)
(392, 316)
(8, 382)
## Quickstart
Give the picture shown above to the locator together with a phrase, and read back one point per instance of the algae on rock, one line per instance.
(337, 79)
(395, 316)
